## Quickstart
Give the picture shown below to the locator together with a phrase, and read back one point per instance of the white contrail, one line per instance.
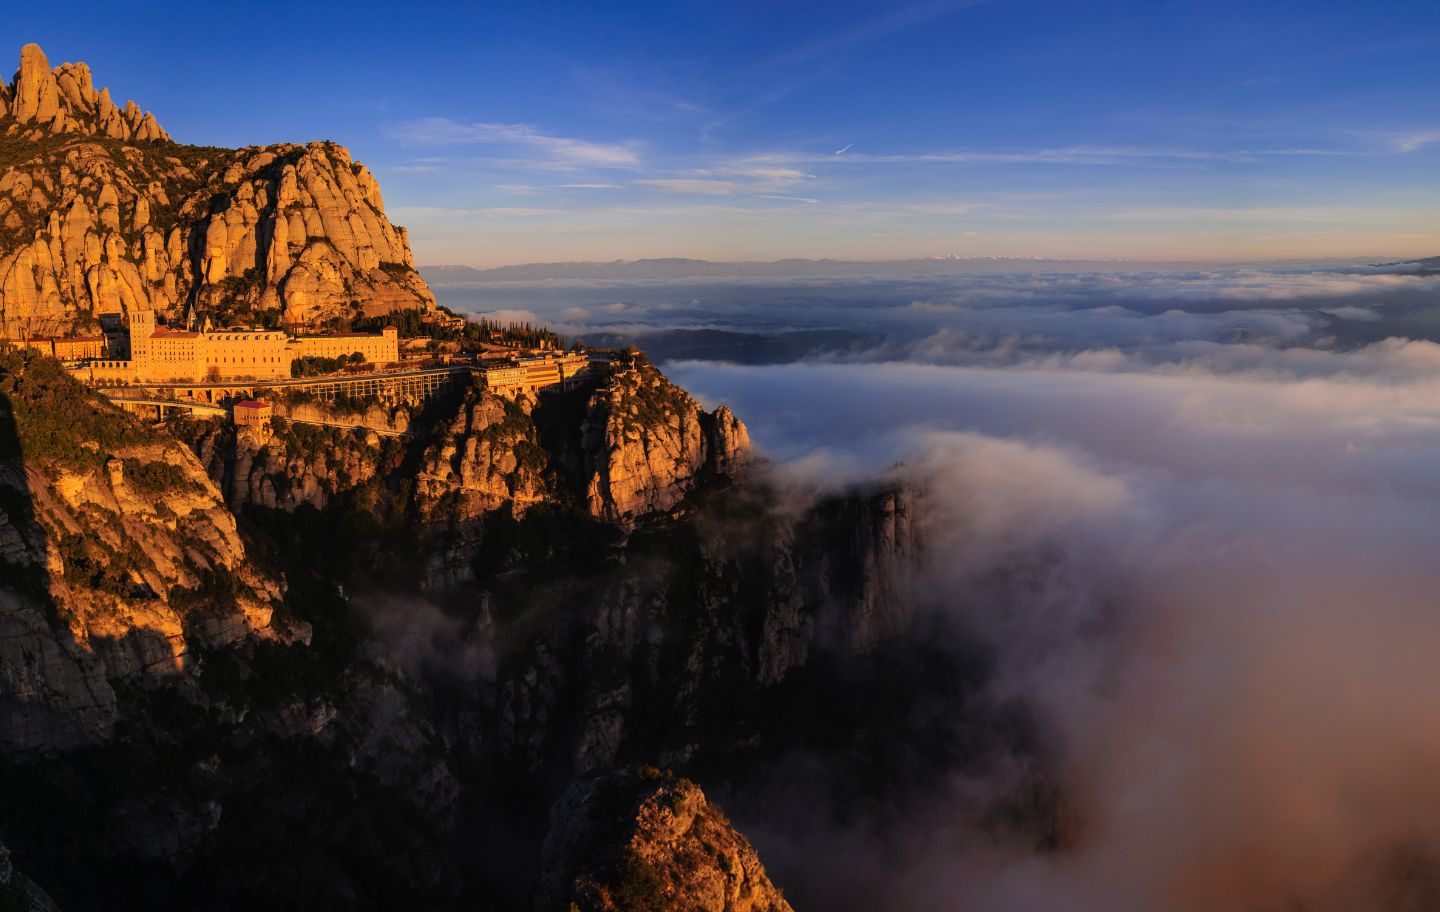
(844, 150)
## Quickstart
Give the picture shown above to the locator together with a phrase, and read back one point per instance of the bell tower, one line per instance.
(142, 327)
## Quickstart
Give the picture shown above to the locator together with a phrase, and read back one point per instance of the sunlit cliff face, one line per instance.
(1232, 634)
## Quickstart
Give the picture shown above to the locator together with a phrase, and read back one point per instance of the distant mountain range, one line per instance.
(1423, 266)
(679, 268)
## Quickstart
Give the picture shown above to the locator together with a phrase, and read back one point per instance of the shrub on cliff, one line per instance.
(57, 419)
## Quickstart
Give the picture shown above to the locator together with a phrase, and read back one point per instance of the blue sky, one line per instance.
(519, 132)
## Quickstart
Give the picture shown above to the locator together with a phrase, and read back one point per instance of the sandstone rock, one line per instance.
(628, 839)
(127, 219)
(647, 443)
(489, 456)
(120, 560)
(64, 100)
(37, 95)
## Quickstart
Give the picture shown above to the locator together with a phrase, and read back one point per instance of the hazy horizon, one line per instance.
(1359, 259)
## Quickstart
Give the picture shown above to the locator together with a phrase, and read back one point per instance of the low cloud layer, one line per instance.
(1220, 598)
(945, 318)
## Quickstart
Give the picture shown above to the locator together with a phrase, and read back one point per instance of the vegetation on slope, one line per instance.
(60, 422)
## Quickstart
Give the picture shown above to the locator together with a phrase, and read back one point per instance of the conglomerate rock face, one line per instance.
(118, 556)
(101, 213)
(636, 446)
(647, 442)
(487, 456)
(287, 466)
(648, 840)
(43, 101)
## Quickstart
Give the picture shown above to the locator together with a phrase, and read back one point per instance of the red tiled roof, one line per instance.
(252, 404)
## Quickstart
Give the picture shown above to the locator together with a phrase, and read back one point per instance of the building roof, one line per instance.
(373, 335)
(164, 333)
(252, 404)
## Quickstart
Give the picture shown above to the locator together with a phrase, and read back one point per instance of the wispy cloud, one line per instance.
(1326, 215)
(813, 60)
(550, 151)
(1416, 141)
(1058, 155)
(696, 185)
(730, 181)
(835, 44)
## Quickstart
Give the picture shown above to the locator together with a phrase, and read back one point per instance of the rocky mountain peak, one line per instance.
(64, 100)
(646, 839)
(101, 213)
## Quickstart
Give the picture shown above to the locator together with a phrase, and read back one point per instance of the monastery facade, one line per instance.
(148, 353)
(378, 348)
(68, 348)
(534, 373)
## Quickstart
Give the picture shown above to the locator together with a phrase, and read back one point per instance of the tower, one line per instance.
(142, 327)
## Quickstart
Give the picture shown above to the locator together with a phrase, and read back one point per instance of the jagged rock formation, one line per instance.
(646, 443)
(514, 593)
(118, 555)
(486, 457)
(636, 447)
(717, 612)
(101, 213)
(44, 102)
(324, 452)
(481, 638)
(644, 839)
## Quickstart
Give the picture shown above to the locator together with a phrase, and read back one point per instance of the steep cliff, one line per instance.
(697, 624)
(487, 456)
(476, 620)
(290, 464)
(647, 443)
(634, 446)
(101, 213)
(642, 839)
(118, 557)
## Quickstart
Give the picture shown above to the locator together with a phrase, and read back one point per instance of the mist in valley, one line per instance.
(1192, 518)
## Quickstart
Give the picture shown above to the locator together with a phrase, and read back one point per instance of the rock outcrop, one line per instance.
(719, 610)
(41, 102)
(635, 446)
(505, 593)
(645, 839)
(647, 443)
(101, 213)
(288, 465)
(486, 457)
(119, 556)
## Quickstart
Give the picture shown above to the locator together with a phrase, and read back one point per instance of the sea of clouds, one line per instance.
(1234, 639)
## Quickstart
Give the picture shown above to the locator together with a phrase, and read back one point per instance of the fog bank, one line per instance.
(1212, 576)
